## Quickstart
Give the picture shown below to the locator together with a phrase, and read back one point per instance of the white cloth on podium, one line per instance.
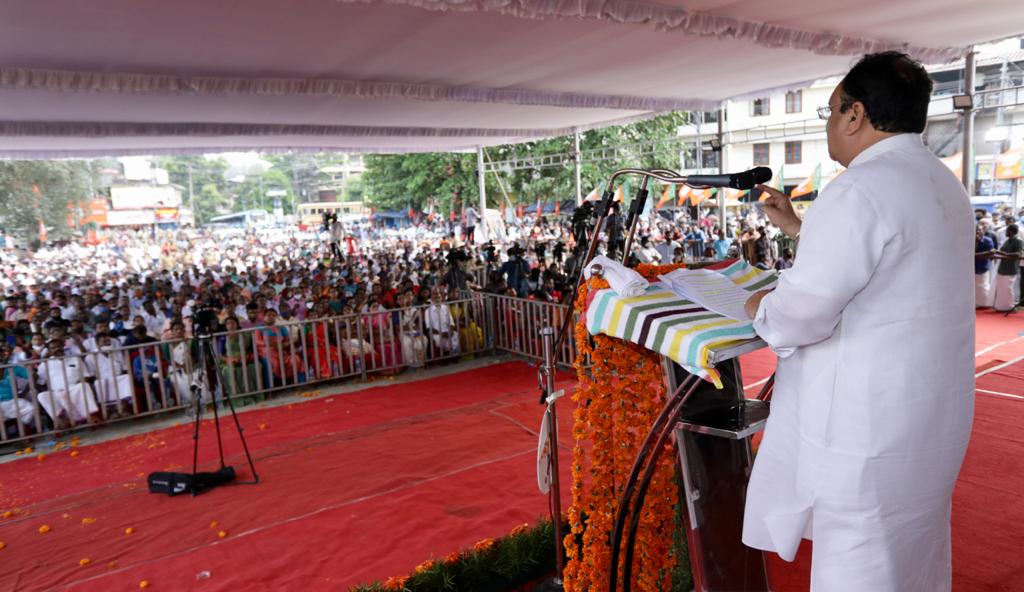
(872, 409)
(623, 280)
(1006, 292)
(662, 321)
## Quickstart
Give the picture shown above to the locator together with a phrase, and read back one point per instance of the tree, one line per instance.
(208, 181)
(446, 180)
(37, 191)
(210, 202)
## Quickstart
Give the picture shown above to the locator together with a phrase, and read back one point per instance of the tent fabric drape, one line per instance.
(677, 19)
(111, 77)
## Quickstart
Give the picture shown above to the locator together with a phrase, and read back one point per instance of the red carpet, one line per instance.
(355, 487)
(362, 486)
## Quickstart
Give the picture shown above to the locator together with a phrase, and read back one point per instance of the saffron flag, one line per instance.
(592, 196)
(666, 196)
(779, 183)
(558, 207)
(734, 194)
(699, 195)
(1010, 164)
(808, 185)
(684, 194)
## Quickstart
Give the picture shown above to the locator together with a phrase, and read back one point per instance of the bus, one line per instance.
(311, 214)
(243, 220)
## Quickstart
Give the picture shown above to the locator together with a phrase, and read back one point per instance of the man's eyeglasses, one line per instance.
(824, 112)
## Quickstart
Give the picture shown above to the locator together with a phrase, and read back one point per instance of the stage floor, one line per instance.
(365, 485)
(354, 488)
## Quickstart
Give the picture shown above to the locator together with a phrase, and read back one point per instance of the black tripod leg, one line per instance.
(214, 385)
(195, 438)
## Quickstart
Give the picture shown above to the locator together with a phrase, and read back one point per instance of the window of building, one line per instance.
(710, 159)
(760, 107)
(761, 154)
(794, 152)
(794, 101)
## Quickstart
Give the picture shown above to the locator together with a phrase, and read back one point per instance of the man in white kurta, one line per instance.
(874, 392)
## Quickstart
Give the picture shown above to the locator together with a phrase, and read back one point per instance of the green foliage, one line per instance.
(512, 560)
(422, 180)
(31, 190)
(210, 191)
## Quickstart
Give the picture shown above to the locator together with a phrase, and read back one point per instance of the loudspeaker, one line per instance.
(176, 483)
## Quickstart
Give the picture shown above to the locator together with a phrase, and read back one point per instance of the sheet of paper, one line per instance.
(709, 289)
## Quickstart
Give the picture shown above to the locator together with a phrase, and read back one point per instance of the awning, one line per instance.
(149, 76)
(1010, 164)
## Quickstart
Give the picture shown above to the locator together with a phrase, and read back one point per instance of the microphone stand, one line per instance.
(547, 371)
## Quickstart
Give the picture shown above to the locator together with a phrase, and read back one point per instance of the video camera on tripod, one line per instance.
(205, 379)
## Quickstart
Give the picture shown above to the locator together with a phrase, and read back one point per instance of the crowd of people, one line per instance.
(94, 331)
(997, 261)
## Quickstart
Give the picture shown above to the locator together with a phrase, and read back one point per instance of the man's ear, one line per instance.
(855, 118)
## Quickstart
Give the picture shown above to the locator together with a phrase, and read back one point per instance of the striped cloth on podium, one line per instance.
(662, 321)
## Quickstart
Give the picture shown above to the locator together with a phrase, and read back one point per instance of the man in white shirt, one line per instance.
(874, 328)
(471, 220)
(109, 364)
(439, 323)
(67, 396)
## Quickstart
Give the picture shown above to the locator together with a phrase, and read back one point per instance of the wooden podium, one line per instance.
(713, 440)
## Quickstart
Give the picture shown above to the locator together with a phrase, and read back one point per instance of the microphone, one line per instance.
(744, 180)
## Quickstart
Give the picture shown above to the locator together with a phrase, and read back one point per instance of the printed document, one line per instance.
(710, 289)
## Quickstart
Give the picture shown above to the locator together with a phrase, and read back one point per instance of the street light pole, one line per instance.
(191, 198)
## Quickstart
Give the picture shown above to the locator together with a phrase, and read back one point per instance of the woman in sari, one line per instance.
(274, 344)
(379, 331)
(321, 342)
(239, 363)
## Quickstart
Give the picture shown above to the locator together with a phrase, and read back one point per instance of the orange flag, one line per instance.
(699, 195)
(684, 194)
(666, 196)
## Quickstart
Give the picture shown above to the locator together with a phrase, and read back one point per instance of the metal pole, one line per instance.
(577, 160)
(968, 127)
(191, 198)
(548, 340)
(721, 171)
(480, 178)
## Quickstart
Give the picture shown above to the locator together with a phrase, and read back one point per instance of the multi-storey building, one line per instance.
(782, 130)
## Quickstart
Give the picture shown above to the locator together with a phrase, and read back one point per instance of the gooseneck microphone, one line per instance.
(744, 180)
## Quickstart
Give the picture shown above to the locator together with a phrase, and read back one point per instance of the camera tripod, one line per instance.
(207, 369)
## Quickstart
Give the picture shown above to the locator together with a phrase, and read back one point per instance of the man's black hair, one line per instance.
(1011, 230)
(894, 89)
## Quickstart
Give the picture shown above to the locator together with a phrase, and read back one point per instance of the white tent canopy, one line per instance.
(148, 76)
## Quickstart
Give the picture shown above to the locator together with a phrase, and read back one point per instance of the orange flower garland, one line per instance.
(617, 400)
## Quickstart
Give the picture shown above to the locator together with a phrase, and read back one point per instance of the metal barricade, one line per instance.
(517, 322)
(141, 380)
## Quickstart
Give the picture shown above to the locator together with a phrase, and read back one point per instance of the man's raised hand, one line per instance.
(780, 210)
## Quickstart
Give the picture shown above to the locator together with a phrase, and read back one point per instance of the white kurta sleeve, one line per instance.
(841, 244)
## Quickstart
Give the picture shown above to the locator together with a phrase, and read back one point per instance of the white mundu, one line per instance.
(110, 367)
(66, 392)
(874, 392)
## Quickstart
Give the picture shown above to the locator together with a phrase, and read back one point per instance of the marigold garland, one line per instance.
(617, 400)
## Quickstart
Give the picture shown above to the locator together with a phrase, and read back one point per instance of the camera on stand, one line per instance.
(456, 256)
(490, 252)
(205, 322)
